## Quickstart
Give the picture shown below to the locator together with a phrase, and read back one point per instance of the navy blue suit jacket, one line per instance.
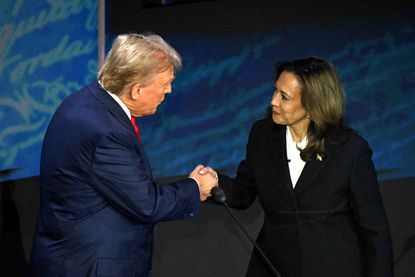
(99, 203)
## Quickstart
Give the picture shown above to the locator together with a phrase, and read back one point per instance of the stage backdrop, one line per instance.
(229, 49)
(48, 49)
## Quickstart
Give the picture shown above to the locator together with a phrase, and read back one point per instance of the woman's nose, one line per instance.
(274, 100)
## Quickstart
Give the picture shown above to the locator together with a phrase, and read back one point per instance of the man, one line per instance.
(98, 203)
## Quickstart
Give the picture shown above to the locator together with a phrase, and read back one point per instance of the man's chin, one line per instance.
(150, 112)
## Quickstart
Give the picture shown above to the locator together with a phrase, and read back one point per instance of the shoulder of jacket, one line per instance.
(265, 123)
(356, 139)
(355, 143)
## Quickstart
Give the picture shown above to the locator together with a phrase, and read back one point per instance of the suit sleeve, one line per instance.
(119, 174)
(241, 191)
(371, 216)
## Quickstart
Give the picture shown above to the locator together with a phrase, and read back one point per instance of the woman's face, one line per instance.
(287, 108)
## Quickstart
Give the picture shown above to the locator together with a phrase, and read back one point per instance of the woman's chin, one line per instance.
(277, 120)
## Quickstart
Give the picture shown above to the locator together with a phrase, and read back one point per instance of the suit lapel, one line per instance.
(312, 169)
(115, 109)
(279, 156)
(112, 106)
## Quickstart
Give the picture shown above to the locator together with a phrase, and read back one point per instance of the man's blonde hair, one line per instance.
(135, 58)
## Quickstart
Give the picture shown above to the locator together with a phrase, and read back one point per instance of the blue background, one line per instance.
(48, 49)
(225, 84)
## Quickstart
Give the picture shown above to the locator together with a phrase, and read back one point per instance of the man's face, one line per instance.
(150, 96)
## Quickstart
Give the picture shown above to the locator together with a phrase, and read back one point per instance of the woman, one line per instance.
(315, 181)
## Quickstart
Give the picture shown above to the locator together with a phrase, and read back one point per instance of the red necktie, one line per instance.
(135, 128)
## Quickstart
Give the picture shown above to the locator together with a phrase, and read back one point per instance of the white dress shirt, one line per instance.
(295, 163)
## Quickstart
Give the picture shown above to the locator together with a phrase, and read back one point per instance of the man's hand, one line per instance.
(204, 180)
(208, 170)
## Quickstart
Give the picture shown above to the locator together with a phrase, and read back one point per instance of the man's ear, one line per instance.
(135, 91)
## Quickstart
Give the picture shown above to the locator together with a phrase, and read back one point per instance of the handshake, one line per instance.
(206, 178)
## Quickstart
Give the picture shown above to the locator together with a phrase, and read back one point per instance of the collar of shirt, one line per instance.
(117, 99)
(295, 164)
(301, 145)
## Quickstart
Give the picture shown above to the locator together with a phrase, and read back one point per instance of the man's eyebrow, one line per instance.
(170, 80)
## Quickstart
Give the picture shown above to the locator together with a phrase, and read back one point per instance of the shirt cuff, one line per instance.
(195, 181)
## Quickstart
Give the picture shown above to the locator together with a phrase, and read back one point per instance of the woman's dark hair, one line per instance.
(323, 98)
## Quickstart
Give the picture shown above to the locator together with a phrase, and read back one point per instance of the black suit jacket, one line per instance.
(332, 224)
